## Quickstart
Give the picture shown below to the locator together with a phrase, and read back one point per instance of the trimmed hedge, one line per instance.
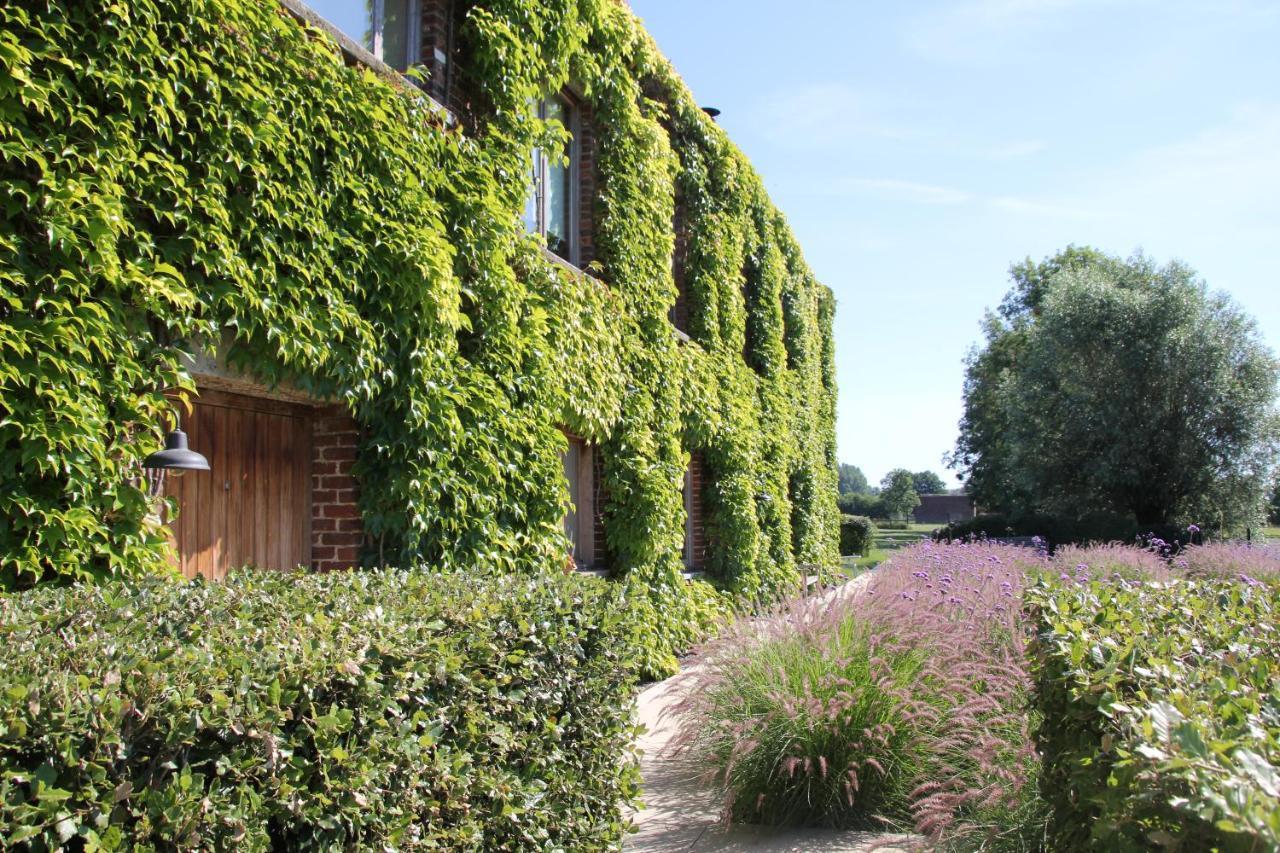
(388, 710)
(1161, 714)
(857, 533)
(1057, 529)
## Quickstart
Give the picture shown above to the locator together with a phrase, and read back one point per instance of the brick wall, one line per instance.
(696, 503)
(336, 527)
(586, 142)
(435, 51)
(679, 264)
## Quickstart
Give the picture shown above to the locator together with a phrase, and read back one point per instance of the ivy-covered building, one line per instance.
(472, 284)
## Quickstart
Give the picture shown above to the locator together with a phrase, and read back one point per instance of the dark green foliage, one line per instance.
(1121, 386)
(872, 506)
(857, 534)
(928, 483)
(1160, 726)
(378, 710)
(852, 480)
(208, 173)
(1060, 530)
(898, 493)
(1273, 505)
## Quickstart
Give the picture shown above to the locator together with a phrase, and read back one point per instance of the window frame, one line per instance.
(582, 541)
(540, 177)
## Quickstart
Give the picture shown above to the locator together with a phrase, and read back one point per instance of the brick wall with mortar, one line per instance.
(436, 49)
(696, 502)
(336, 528)
(586, 143)
(679, 313)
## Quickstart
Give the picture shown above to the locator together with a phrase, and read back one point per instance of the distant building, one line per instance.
(943, 509)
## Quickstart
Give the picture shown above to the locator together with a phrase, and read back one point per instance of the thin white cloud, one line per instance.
(1220, 183)
(984, 30)
(934, 195)
(824, 114)
(996, 31)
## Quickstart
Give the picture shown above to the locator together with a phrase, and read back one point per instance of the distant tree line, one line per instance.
(896, 496)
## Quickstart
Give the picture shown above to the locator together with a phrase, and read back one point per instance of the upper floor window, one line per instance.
(550, 209)
(389, 29)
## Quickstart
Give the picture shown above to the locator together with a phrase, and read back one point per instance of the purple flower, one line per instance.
(1193, 529)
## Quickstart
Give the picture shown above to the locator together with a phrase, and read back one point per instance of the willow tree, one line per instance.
(1121, 386)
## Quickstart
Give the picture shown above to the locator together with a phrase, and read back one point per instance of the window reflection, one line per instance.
(385, 27)
(549, 208)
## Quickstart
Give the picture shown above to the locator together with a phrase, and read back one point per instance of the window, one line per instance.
(387, 28)
(579, 520)
(550, 210)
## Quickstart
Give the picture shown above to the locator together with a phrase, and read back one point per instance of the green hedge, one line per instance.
(1059, 529)
(857, 534)
(1161, 714)
(381, 710)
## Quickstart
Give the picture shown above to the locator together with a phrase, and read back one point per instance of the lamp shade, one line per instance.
(176, 455)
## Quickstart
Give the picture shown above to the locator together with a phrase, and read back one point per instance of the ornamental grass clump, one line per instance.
(1242, 561)
(1108, 562)
(898, 702)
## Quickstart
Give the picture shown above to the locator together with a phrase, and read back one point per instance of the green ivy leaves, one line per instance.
(172, 173)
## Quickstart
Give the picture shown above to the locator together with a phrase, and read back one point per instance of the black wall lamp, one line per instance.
(173, 460)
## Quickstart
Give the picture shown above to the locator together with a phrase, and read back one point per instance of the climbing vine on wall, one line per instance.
(176, 172)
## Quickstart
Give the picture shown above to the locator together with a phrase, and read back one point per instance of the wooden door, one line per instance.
(253, 505)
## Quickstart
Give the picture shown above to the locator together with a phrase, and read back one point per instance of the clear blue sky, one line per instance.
(919, 148)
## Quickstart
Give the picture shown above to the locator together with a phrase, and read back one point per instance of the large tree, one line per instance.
(1119, 385)
(928, 483)
(852, 480)
(898, 493)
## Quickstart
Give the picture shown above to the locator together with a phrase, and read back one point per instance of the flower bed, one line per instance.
(912, 701)
(900, 704)
(381, 710)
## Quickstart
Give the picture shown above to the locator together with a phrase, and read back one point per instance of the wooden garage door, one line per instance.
(253, 507)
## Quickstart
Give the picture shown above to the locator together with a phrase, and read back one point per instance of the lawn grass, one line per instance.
(885, 543)
(856, 565)
(1271, 532)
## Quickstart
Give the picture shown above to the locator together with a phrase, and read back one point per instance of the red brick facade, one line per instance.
(435, 53)
(336, 528)
(695, 554)
(586, 151)
(679, 269)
